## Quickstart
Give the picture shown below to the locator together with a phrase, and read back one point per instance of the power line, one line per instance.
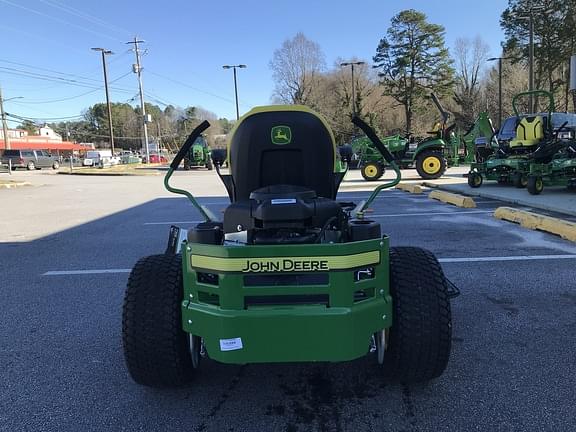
(59, 20)
(40, 119)
(49, 78)
(34, 102)
(83, 15)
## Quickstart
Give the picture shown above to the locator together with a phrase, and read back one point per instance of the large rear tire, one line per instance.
(431, 164)
(156, 349)
(420, 338)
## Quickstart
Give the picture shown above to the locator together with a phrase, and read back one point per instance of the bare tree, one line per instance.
(296, 66)
(470, 56)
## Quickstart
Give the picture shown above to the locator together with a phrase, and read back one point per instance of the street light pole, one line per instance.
(352, 64)
(241, 66)
(106, 52)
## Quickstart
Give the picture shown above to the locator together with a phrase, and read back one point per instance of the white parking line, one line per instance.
(442, 260)
(368, 215)
(85, 272)
(506, 258)
(173, 223)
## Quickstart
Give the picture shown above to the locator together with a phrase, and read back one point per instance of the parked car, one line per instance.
(98, 158)
(30, 159)
(156, 158)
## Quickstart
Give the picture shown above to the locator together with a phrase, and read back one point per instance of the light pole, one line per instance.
(241, 66)
(499, 87)
(106, 52)
(4, 124)
(352, 64)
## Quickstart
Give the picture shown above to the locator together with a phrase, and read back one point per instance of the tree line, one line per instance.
(412, 60)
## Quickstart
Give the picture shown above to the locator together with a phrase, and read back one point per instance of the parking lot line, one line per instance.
(441, 260)
(85, 272)
(507, 258)
(368, 215)
(172, 223)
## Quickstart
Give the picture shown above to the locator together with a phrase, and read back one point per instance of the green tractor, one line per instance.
(512, 156)
(199, 155)
(289, 274)
(555, 163)
(430, 156)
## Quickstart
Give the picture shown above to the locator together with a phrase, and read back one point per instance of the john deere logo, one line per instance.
(281, 135)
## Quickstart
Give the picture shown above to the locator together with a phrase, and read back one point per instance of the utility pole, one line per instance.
(235, 84)
(352, 64)
(106, 52)
(499, 87)
(4, 125)
(138, 70)
(530, 18)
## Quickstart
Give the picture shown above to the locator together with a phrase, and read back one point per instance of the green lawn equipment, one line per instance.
(199, 155)
(555, 164)
(510, 162)
(290, 274)
(430, 156)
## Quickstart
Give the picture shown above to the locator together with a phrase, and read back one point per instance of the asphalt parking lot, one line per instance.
(65, 257)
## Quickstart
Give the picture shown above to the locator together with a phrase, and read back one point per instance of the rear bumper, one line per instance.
(332, 321)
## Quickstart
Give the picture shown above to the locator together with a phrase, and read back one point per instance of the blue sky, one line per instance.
(187, 43)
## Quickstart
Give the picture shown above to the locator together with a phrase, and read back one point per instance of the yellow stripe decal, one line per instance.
(284, 264)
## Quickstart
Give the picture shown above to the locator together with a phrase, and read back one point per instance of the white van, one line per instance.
(98, 158)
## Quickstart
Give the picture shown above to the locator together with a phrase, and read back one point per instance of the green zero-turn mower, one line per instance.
(199, 155)
(290, 274)
(510, 163)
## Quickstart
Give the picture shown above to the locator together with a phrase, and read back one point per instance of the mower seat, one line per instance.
(282, 182)
(529, 132)
(286, 144)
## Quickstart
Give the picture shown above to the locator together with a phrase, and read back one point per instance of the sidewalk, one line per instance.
(554, 198)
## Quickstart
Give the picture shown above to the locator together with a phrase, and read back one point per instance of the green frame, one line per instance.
(338, 331)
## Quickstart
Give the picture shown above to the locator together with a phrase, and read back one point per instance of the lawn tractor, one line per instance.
(555, 164)
(430, 156)
(199, 155)
(510, 162)
(290, 274)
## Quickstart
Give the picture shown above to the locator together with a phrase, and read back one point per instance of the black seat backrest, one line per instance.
(289, 145)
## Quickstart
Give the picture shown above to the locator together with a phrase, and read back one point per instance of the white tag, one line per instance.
(284, 201)
(230, 344)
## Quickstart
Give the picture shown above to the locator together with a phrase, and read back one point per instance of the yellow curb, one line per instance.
(12, 184)
(535, 221)
(412, 188)
(451, 198)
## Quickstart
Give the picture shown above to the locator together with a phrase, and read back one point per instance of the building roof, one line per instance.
(42, 145)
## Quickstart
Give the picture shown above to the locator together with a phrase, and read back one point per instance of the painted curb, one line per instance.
(14, 185)
(498, 197)
(535, 221)
(451, 198)
(412, 188)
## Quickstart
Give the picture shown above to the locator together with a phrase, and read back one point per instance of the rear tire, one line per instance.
(431, 165)
(420, 338)
(55, 165)
(156, 349)
(30, 166)
(535, 185)
(372, 171)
